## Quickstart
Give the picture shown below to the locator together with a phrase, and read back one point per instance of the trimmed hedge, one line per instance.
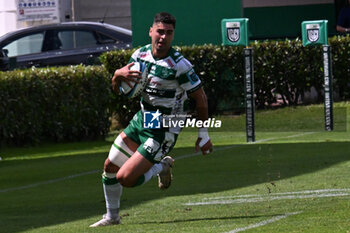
(283, 69)
(56, 104)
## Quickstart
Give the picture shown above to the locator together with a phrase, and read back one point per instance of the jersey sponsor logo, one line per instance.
(192, 76)
(155, 82)
(151, 146)
(143, 54)
(170, 62)
(160, 93)
(162, 72)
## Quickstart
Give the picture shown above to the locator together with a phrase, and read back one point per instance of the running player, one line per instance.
(139, 153)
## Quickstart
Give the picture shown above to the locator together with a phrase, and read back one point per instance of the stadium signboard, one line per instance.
(235, 31)
(314, 32)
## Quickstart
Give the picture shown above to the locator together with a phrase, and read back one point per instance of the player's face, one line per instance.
(162, 35)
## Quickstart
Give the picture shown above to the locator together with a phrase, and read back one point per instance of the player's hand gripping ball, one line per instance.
(138, 86)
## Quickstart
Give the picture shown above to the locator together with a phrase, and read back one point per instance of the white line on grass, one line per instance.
(49, 181)
(290, 136)
(251, 198)
(261, 199)
(279, 194)
(95, 171)
(263, 223)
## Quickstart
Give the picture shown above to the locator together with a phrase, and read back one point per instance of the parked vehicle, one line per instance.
(67, 43)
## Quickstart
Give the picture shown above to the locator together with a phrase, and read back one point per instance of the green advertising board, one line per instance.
(314, 32)
(235, 32)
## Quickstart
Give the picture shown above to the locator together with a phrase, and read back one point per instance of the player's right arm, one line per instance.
(126, 75)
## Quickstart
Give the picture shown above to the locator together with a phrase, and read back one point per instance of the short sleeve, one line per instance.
(187, 77)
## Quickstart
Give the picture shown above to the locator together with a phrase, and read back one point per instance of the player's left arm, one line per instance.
(203, 142)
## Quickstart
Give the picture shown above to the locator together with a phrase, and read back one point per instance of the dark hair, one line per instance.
(164, 17)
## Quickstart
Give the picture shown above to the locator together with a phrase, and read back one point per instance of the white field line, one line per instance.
(251, 198)
(279, 194)
(49, 181)
(95, 171)
(263, 223)
(291, 136)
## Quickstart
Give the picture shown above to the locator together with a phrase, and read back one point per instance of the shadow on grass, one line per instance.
(81, 197)
(208, 219)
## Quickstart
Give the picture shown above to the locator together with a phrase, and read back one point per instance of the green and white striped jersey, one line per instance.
(170, 79)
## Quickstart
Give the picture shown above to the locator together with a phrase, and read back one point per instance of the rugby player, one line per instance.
(139, 153)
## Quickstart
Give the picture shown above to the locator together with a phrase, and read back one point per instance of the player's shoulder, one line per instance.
(146, 48)
(182, 64)
(175, 55)
(142, 50)
(141, 53)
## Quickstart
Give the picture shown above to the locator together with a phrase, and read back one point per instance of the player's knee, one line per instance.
(110, 167)
(125, 179)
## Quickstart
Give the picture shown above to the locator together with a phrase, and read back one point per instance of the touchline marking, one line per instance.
(251, 198)
(263, 223)
(290, 136)
(49, 181)
(279, 194)
(261, 199)
(96, 171)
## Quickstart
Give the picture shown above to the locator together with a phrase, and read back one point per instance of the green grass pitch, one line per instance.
(294, 178)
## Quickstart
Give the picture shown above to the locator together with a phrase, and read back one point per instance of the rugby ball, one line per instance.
(136, 88)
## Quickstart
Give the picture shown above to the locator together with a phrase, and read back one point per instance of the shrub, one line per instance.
(65, 103)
